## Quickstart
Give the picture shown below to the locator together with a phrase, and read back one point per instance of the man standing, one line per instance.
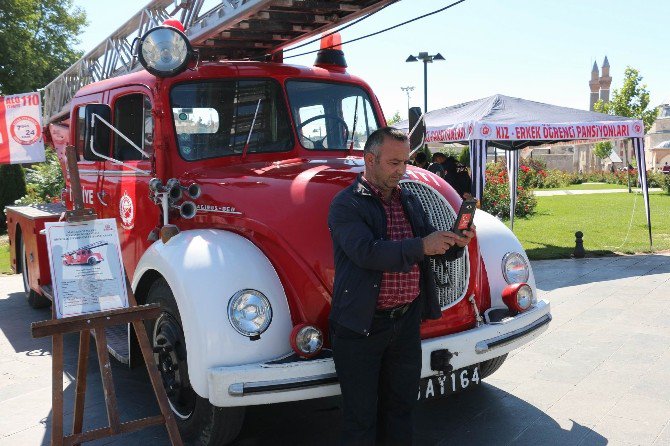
(384, 286)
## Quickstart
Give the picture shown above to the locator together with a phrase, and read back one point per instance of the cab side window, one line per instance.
(132, 117)
(80, 131)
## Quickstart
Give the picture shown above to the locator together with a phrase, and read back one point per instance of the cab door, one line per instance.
(88, 170)
(125, 188)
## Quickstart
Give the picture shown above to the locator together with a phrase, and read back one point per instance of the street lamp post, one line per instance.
(426, 59)
(407, 90)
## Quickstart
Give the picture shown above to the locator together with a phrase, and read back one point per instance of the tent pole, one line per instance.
(638, 146)
(425, 85)
(625, 152)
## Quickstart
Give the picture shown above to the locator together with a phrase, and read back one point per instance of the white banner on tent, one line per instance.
(21, 129)
(552, 132)
(458, 132)
(538, 132)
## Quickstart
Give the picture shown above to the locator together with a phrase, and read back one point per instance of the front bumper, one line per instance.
(294, 379)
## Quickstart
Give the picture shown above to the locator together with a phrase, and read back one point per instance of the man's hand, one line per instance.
(438, 242)
(467, 236)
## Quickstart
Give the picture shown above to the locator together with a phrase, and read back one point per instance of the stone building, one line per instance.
(657, 140)
(579, 157)
(600, 84)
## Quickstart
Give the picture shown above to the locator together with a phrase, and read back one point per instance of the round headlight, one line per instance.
(524, 297)
(249, 312)
(514, 268)
(164, 51)
(518, 297)
(306, 340)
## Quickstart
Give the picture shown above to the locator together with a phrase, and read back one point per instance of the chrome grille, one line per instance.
(452, 278)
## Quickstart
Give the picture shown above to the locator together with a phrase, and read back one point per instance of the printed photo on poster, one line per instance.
(86, 267)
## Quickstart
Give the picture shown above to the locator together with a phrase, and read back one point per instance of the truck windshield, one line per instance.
(214, 118)
(329, 116)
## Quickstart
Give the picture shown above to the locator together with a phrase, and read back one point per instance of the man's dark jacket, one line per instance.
(357, 223)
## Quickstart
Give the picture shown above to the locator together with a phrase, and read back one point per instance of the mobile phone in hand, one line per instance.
(465, 216)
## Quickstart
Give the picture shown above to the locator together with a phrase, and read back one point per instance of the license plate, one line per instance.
(438, 386)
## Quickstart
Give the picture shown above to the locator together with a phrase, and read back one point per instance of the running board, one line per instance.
(118, 344)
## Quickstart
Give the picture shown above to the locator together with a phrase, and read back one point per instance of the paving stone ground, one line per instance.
(600, 374)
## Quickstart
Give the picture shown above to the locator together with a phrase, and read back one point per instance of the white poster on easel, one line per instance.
(86, 267)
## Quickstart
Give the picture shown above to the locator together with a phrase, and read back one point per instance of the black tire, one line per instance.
(488, 367)
(92, 261)
(199, 422)
(34, 299)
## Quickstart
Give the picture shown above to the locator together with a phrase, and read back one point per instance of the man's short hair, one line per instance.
(376, 139)
(437, 155)
(421, 157)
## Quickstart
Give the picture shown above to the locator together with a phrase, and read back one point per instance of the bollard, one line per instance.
(579, 252)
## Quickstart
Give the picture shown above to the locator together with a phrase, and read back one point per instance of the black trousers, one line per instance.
(379, 376)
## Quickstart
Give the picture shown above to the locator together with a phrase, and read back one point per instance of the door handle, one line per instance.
(100, 198)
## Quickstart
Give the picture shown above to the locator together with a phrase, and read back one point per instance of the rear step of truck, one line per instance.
(117, 335)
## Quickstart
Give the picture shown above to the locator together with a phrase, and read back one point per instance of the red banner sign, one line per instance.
(21, 129)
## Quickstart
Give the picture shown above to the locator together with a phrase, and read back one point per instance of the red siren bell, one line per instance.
(174, 23)
(331, 56)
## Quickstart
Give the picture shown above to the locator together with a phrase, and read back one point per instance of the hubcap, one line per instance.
(170, 356)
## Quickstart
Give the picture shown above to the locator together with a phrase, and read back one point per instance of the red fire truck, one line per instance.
(84, 255)
(219, 162)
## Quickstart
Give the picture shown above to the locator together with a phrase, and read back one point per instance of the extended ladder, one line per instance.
(221, 29)
(91, 246)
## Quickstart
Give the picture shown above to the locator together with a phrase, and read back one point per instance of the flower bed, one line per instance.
(496, 198)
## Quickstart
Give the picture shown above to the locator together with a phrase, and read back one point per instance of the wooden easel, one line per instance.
(97, 322)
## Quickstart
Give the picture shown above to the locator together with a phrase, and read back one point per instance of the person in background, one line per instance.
(666, 168)
(421, 160)
(456, 174)
(435, 166)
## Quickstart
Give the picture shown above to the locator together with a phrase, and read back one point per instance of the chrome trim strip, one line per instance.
(241, 389)
(488, 344)
(114, 173)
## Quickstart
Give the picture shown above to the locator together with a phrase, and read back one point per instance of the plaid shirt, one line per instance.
(396, 288)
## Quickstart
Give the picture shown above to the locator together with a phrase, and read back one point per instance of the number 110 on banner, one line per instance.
(21, 129)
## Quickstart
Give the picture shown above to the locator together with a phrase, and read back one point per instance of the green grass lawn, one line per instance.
(604, 220)
(4, 255)
(589, 186)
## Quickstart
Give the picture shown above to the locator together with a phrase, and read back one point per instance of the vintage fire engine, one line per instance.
(219, 162)
(84, 255)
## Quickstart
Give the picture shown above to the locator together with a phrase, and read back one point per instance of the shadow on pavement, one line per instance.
(598, 269)
(17, 327)
(486, 415)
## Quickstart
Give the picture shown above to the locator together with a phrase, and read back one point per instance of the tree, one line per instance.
(12, 187)
(394, 119)
(36, 42)
(45, 180)
(602, 149)
(631, 100)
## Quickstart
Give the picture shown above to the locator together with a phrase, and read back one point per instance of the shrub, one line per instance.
(45, 181)
(496, 198)
(12, 186)
(557, 178)
(656, 179)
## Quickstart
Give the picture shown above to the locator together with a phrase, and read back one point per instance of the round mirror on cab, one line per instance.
(164, 51)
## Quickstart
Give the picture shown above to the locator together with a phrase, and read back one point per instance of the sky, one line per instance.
(541, 50)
